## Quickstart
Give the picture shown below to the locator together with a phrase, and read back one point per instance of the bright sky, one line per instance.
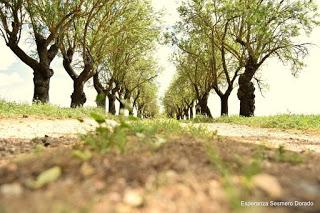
(285, 94)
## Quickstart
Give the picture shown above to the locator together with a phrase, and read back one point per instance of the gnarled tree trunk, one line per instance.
(42, 72)
(246, 91)
(203, 105)
(41, 81)
(78, 97)
(112, 103)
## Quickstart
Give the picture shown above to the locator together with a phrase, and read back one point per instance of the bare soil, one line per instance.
(176, 177)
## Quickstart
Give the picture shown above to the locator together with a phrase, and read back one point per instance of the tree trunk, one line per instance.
(224, 105)
(122, 105)
(78, 97)
(112, 104)
(203, 105)
(131, 111)
(41, 69)
(186, 113)
(246, 92)
(41, 81)
(191, 112)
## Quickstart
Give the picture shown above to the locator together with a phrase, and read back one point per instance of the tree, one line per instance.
(143, 72)
(46, 21)
(179, 98)
(206, 29)
(127, 65)
(196, 78)
(266, 29)
(89, 36)
(147, 105)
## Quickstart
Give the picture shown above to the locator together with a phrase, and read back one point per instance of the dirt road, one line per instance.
(297, 141)
(30, 128)
(291, 140)
(178, 176)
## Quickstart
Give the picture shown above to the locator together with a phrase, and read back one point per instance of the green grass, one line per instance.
(289, 121)
(14, 110)
(154, 132)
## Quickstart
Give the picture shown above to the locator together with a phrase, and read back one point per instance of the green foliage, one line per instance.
(11, 109)
(127, 65)
(218, 40)
(100, 119)
(105, 139)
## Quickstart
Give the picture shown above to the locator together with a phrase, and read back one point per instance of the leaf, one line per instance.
(46, 177)
(100, 119)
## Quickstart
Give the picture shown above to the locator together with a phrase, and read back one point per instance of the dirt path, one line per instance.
(178, 176)
(297, 141)
(18, 136)
(29, 128)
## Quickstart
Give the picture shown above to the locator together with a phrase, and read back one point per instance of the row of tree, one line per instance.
(111, 42)
(222, 44)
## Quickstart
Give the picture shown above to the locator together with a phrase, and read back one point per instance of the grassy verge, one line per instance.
(301, 122)
(12, 110)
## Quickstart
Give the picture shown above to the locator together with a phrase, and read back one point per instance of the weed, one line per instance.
(105, 139)
(255, 164)
(83, 155)
(288, 157)
(232, 192)
(39, 148)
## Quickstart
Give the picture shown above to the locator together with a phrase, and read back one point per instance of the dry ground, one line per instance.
(178, 176)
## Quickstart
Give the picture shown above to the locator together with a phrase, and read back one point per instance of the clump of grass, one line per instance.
(105, 139)
(11, 109)
(232, 191)
(158, 126)
(285, 156)
(154, 132)
(169, 127)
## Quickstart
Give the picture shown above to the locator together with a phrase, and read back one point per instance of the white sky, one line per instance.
(286, 93)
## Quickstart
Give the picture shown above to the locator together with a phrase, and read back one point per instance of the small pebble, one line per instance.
(13, 189)
(133, 198)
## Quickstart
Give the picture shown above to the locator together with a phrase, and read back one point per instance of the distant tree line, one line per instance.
(222, 44)
(110, 42)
